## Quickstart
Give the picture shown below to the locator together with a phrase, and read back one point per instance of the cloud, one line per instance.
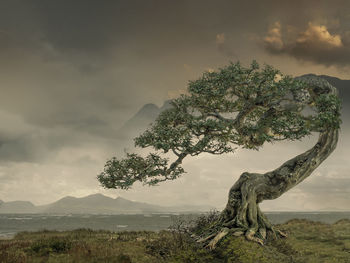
(223, 46)
(273, 40)
(315, 43)
(220, 39)
(319, 35)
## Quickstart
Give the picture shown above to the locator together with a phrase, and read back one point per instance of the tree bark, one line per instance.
(242, 209)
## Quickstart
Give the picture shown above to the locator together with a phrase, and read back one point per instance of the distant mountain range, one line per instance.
(94, 204)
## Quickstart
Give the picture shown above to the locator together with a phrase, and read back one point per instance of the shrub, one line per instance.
(51, 245)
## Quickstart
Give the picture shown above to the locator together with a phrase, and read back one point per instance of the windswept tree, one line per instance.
(229, 108)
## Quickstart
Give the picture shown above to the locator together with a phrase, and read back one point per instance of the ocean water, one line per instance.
(10, 224)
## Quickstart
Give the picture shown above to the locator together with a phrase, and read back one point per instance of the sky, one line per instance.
(73, 72)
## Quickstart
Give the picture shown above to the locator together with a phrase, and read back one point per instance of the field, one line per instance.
(307, 242)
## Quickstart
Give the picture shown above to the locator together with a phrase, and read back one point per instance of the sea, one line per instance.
(10, 224)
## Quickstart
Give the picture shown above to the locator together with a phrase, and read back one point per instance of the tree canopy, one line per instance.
(232, 107)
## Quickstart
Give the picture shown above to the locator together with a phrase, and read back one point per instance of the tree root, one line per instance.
(212, 244)
(245, 220)
(282, 234)
(204, 239)
(210, 241)
(249, 235)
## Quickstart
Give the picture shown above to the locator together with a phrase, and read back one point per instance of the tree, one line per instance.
(237, 107)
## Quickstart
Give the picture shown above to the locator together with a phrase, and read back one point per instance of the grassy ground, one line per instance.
(307, 242)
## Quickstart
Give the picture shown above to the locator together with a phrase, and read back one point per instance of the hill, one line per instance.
(15, 207)
(141, 120)
(94, 204)
(99, 204)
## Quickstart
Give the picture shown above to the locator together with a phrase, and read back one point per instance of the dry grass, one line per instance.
(307, 242)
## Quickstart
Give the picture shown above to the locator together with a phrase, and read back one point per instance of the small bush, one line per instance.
(51, 245)
(203, 222)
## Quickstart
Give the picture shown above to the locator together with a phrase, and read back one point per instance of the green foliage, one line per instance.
(225, 109)
(123, 173)
(329, 111)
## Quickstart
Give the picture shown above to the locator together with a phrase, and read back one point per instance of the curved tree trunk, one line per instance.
(251, 189)
(242, 214)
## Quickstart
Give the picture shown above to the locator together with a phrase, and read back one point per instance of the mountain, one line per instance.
(17, 207)
(141, 120)
(94, 204)
(99, 204)
(145, 116)
(343, 87)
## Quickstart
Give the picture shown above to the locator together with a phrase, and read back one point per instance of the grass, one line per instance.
(307, 242)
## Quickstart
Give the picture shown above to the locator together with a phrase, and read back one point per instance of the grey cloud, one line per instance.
(149, 28)
(23, 142)
(27, 148)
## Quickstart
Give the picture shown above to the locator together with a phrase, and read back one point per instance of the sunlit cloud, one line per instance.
(314, 43)
(319, 35)
(273, 38)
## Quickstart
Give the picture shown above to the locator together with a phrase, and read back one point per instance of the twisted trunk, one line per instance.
(242, 209)
(242, 214)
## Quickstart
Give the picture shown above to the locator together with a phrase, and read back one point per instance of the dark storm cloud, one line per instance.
(91, 29)
(82, 26)
(95, 29)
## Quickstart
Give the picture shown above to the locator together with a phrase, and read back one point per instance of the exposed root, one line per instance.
(204, 239)
(238, 233)
(278, 233)
(246, 219)
(213, 239)
(249, 235)
(282, 234)
(212, 244)
(262, 232)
